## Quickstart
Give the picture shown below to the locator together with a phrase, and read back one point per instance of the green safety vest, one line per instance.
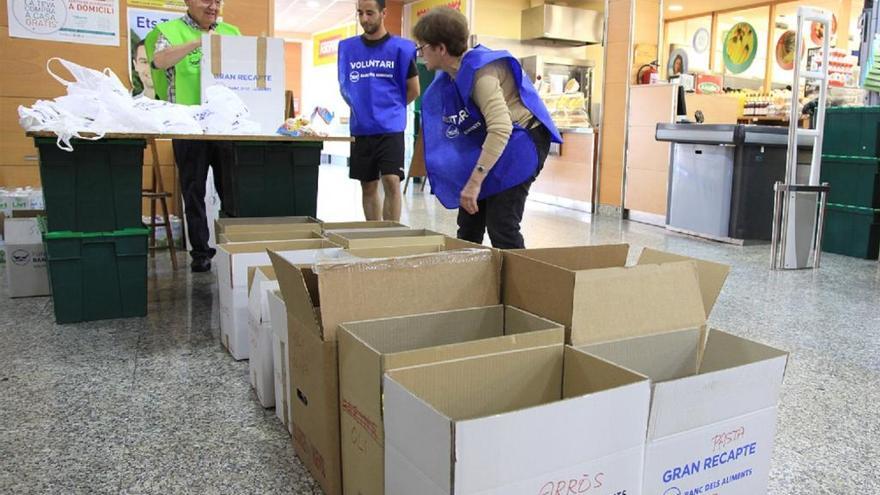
(187, 72)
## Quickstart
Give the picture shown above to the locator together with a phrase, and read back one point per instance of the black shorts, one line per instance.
(375, 156)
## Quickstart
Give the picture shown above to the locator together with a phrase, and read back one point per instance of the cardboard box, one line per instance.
(27, 272)
(233, 261)
(548, 420)
(280, 354)
(713, 409)
(253, 68)
(714, 400)
(376, 238)
(368, 349)
(319, 299)
(230, 237)
(363, 225)
(261, 280)
(590, 290)
(265, 224)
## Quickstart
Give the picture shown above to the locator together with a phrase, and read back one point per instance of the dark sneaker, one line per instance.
(199, 265)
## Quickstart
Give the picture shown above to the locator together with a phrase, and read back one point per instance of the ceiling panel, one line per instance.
(311, 16)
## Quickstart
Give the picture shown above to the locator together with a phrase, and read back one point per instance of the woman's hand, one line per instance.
(469, 196)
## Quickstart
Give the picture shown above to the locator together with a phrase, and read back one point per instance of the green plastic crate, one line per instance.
(852, 231)
(269, 179)
(98, 275)
(94, 188)
(852, 131)
(854, 181)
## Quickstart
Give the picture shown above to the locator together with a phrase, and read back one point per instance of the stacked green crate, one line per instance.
(96, 244)
(851, 165)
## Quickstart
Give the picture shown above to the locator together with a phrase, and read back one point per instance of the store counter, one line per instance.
(568, 175)
(721, 178)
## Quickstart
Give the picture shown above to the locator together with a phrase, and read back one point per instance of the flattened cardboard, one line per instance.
(590, 290)
(368, 349)
(713, 410)
(272, 235)
(377, 238)
(319, 299)
(507, 423)
(280, 353)
(265, 224)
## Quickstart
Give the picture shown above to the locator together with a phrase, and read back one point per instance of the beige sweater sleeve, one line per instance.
(496, 95)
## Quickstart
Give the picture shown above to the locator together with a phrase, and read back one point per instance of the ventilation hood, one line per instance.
(562, 25)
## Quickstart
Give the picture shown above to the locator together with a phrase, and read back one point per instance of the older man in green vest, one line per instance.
(174, 49)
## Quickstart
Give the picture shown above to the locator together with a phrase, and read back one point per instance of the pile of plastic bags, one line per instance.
(97, 103)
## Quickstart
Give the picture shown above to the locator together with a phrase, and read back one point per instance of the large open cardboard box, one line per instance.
(233, 261)
(320, 298)
(377, 238)
(368, 349)
(261, 281)
(573, 286)
(280, 353)
(714, 401)
(271, 235)
(265, 224)
(544, 421)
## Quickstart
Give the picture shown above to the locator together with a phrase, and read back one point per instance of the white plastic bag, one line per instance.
(223, 112)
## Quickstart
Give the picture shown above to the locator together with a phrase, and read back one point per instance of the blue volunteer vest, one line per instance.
(454, 131)
(372, 80)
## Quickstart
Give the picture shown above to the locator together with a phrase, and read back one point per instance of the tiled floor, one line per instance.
(155, 405)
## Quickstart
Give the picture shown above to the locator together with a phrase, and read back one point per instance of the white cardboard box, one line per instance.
(253, 68)
(26, 270)
(280, 353)
(540, 421)
(233, 261)
(261, 365)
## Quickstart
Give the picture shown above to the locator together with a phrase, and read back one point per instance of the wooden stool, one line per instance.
(156, 192)
(417, 167)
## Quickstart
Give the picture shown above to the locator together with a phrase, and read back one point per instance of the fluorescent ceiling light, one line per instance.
(313, 4)
(675, 8)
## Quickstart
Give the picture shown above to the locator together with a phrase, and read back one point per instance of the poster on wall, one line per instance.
(422, 7)
(325, 44)
(141, 22)
(817, 32)
(785, 50)
(740, 47)
(91, 22)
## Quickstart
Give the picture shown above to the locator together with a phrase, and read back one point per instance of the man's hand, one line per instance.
(469, 196)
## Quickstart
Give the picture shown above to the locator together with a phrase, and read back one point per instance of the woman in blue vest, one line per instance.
(486, 130)
(378, 79)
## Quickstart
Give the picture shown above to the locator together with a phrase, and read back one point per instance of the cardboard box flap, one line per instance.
(724, 350)
(278, 246)
(362, 290)
(407, 417)
(717, 394)
(295, 291)
(365, 224)
(711, 275)
(587, 374)
(374, 238)
(262, 280)
(659, 357)
(618, 303)
(232, 223)
(273, 235)
(397, 251)
(267, 271)
(519, 274)
(579, 257)
(486, 385)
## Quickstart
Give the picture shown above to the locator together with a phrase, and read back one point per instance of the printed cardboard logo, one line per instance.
(21, 257)
(355, 76)
(672, 491)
